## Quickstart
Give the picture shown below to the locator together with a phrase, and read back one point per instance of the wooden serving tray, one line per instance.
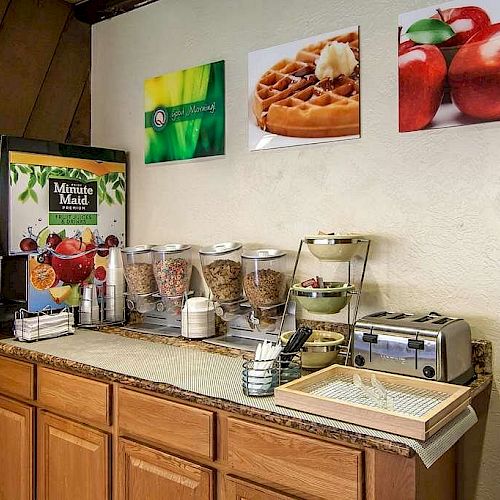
(421, 407)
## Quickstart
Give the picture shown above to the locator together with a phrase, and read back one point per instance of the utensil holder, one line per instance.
(259, 380)
(289, 367)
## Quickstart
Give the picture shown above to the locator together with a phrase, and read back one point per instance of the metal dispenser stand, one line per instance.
(356, 262)
(157, 318)
(243, 326)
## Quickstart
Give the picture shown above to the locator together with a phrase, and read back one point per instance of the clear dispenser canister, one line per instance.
(221, 265)
(138, 269)
(264, 281)
(172, 268)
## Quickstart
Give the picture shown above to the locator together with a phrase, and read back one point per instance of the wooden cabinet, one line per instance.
(237, 489)
(158, 442)
(16, 450)
(145, 473)
(72, 460)
(298, 464)
(87, 400)
(17, 378)
(177, 426)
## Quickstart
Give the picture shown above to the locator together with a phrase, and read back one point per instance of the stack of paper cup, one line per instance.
(115, 287)
(198, 318)
(89, 305)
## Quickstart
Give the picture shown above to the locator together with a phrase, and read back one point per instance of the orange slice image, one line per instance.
(42, 276)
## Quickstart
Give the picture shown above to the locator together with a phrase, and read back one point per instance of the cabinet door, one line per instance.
(237, 489)
(16, 450)
(72, 460)
(145, 473)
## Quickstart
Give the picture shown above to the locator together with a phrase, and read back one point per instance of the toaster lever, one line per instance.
(371, 338)
(416, 344)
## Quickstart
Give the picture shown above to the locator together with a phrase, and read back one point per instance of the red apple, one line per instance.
(422, 73)
(73, 270)
(53, 239)
(465, 22)
(111, 241)
(474, 75)
(100, 273)
(406, 46)
(28, 245)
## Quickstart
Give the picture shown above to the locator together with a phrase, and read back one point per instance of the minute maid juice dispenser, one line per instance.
(65, 207)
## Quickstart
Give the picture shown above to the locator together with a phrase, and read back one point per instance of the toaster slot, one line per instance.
(424, 318)
(401, 316)
(442, 321)
(378, 314)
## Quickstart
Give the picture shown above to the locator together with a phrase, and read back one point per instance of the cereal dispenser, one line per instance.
(221, 265)
(265, 284)
(172, 270)
(249, 288)
(141, 283)
(158, 282)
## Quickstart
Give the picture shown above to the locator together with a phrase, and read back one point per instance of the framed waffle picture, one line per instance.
(449, 65)
(305, 92)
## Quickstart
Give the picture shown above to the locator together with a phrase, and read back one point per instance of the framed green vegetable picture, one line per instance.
(185, 114)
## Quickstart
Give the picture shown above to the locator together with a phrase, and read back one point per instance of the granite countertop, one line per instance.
(30, 352)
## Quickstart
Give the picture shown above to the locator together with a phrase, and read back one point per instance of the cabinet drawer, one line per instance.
(299, 464)
(175, 425)
(237, 489)
(17, 378)
(87, 400)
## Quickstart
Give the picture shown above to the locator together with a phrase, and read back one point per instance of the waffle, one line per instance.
(289, 99)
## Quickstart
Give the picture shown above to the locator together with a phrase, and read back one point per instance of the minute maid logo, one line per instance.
(72, 202)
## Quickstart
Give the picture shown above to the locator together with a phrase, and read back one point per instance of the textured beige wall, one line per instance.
(430, 200)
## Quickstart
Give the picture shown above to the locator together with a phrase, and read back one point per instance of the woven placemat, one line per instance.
(217, 376)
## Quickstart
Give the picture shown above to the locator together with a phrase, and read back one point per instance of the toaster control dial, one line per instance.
(359, 360)
(429, 372)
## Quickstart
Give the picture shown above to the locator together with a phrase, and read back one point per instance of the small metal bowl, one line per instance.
(328, 300)
(320, 350)
(333, 247)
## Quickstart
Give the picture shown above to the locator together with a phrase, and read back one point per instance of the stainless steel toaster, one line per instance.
(428, 346)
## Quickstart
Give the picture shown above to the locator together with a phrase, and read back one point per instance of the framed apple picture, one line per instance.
(449, 65)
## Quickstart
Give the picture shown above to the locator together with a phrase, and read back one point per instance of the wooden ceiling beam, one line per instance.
(94, 11)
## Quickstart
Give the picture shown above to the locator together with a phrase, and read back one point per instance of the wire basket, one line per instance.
(260, 378)
(44, 324)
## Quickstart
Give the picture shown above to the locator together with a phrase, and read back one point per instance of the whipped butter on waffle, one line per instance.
(334, 60)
